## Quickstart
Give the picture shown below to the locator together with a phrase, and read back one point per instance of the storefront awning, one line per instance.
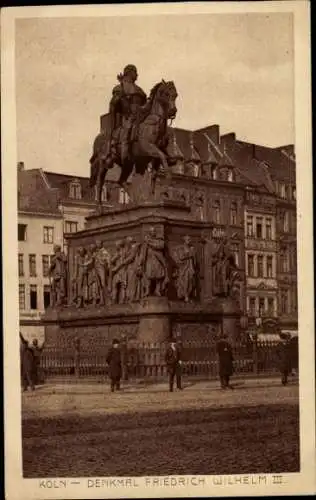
(265, 337)
(293, 333)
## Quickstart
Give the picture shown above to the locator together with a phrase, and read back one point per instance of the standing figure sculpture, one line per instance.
(137, 134)
(80, 297)
(102, 265)
(225, 270)
(187, 271)
(93, 291)
(152, 265)
(130, 277)
(58, 277)
(117, 281)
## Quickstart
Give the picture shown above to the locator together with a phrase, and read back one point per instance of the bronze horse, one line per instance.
(149, 145)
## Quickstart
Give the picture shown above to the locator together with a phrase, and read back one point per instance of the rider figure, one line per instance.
(126, 99)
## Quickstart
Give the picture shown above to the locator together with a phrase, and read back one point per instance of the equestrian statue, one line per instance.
(138, 132)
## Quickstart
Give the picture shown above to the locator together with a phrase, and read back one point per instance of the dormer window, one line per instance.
(123, 196)
(214, 173)
(104, 193)
(283, 191)
(75, 190)
(230, 176)
(196, 170)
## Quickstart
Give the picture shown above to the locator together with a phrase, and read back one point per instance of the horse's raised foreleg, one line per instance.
(154, 152)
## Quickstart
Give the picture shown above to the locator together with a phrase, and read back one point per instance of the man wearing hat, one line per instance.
(225, 358)
(114, 361)
(173, 362)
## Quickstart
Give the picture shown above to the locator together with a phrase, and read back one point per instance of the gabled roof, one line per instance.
(281, 161)
(34, 195)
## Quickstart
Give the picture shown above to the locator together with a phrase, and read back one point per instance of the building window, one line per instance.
(294, 193)
(46, 296)
(233, 214)
(71, 226)
(45, 265)
(251, 265)
(259, 227)
(123, 196)
(235, 252)
(284, 302)
(104, 194)
(214, 173)
(252, 306)
(270, 307)
(21, 264)
(284, 261)
(22, 232)
(32, 264)
(33, 297)
(269, 266)
(286, 222)
(249, 225)
(261, 306)
(230, 176)
(22, 296)
(48, 234)
(268, 229)
(294, 300)
(75, 190)
(283, 191)
(260, 266)
(217, 212)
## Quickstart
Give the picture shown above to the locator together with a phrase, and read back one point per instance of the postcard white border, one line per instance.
(299, 483)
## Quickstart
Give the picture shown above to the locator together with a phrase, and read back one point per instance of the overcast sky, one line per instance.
(233, 70)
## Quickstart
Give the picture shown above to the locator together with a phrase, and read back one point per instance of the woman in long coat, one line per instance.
(114, 361)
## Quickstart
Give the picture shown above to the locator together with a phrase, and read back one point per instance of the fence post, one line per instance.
(255, 354)
(124, 357)
(77, 358)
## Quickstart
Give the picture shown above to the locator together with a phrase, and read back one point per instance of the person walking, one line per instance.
(27, 364)
(114, 361)
(174, 362)
(284, 357)
(225, 357)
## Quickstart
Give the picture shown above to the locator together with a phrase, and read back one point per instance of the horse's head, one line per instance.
(166, 94)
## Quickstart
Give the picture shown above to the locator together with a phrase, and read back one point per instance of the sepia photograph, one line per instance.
(157, 229)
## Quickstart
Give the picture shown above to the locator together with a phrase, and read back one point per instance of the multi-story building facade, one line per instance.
(237, 188)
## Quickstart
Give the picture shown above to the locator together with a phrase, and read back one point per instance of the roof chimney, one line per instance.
(20, 166)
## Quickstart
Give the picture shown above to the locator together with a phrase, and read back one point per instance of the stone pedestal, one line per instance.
(154, 320)
(230, 315)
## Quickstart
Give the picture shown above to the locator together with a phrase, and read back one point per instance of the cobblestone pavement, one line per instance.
(87, 431)
(84, 399)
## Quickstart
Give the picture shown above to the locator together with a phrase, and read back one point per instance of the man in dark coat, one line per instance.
(225, 357)
(114, 361)
(37, 351)
(284, 357)
(173, 362)
(27, 364)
